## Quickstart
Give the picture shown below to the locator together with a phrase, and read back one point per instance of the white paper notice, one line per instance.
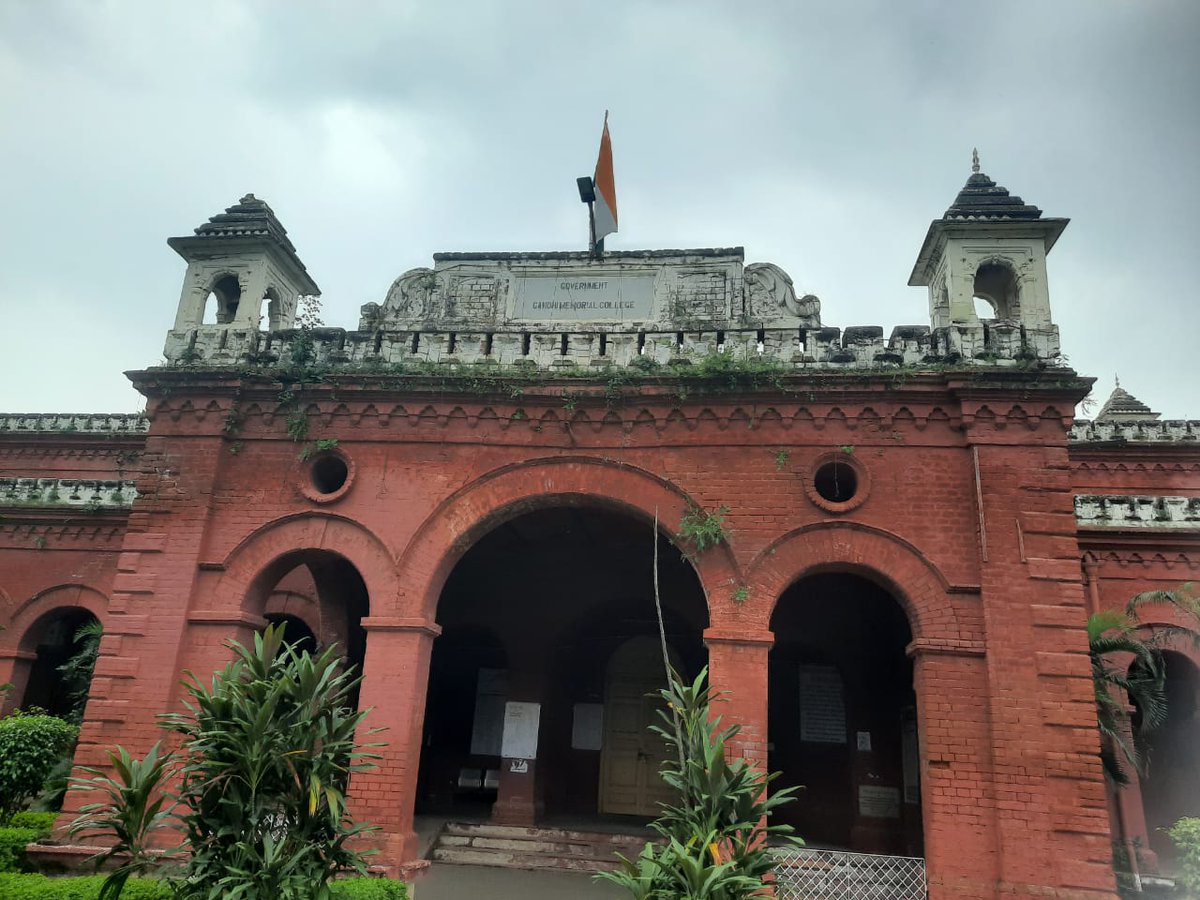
(521, 730)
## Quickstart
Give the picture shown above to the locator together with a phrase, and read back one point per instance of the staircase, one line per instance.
(517, 847)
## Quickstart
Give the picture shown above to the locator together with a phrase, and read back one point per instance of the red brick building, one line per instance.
(911, 532)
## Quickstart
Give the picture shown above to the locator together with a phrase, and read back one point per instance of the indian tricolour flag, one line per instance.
(606, 189)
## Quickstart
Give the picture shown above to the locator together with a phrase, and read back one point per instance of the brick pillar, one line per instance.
(737, 667)
(139, 666)
(958, 806)
(520, 799)
(1051, 808)
(395, 681)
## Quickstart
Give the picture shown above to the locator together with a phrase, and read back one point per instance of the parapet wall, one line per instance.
(995, 343)
(570, 309)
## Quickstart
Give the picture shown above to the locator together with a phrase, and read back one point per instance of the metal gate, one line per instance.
(804, 874)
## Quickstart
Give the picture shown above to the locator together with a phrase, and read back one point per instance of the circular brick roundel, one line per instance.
(838, 482)
(327, 477)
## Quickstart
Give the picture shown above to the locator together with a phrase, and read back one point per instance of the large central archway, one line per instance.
(843, 718)
(550, 616)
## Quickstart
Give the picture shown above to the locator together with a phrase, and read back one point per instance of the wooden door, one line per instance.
(632, 754)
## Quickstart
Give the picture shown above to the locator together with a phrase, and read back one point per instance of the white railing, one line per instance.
(804, 874)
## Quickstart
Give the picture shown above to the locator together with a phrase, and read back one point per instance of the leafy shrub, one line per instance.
(1185, 834)
(12, 848)
(42, 821)
(268, 747)
(369, 889)
(31, 745)
(39, 887)
(716, 835)
(134, 809)
(25, 828)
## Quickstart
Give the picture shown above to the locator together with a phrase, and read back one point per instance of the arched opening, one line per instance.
(536, 709)
(321, 599)
(274, 310)
(221, 305)
(60, 676)
(842, 721)
(997, 295)
(1171, 786)
(295, 631)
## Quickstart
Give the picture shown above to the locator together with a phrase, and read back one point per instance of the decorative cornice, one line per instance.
(74, 423)
(1134, 558)
(1170, 431)
(89, 494)
(1136, 511)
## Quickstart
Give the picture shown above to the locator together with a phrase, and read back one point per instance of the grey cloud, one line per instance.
(824, 137)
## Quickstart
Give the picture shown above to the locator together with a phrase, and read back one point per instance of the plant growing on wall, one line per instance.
(76, 672)
(701, 529)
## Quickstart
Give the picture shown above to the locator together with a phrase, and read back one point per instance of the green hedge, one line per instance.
(12, 848)
(39, 887)
(42, 821)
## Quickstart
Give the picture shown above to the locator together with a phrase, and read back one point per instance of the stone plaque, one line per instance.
(877, 802)
(520, 730)
(584, 297)
(822, 711)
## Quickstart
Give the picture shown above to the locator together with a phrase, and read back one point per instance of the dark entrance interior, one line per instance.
(843, 716)
(1171, 787)
(320, 599)
(57, 637)
(553, 607)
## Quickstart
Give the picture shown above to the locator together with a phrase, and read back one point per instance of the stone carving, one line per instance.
(771, 294)
(411, 295)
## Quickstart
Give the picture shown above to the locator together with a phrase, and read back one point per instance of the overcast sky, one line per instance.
(822, 137)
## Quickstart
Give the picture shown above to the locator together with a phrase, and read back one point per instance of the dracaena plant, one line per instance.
(136, 804)
(268, 748)
(716, 836)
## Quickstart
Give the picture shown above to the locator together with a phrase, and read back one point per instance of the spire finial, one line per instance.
(1117, 379)
(975, 160)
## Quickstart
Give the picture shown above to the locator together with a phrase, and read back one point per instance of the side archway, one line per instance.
(939, 616)
(40, 637)
(253, 569)
(506, 493)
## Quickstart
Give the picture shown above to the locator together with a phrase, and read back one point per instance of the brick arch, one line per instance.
(505, 493)
(936, 616)
(17, 636)
(18, 647)
(257, 563)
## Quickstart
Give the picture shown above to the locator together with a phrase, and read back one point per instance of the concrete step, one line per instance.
(520, 847)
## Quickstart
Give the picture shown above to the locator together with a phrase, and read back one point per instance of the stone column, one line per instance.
(737, 668)
(395, 682)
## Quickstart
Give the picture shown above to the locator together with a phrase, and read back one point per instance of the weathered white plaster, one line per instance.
(1166, 431)
(67, 423)
(67, 492)
(1137, 511)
